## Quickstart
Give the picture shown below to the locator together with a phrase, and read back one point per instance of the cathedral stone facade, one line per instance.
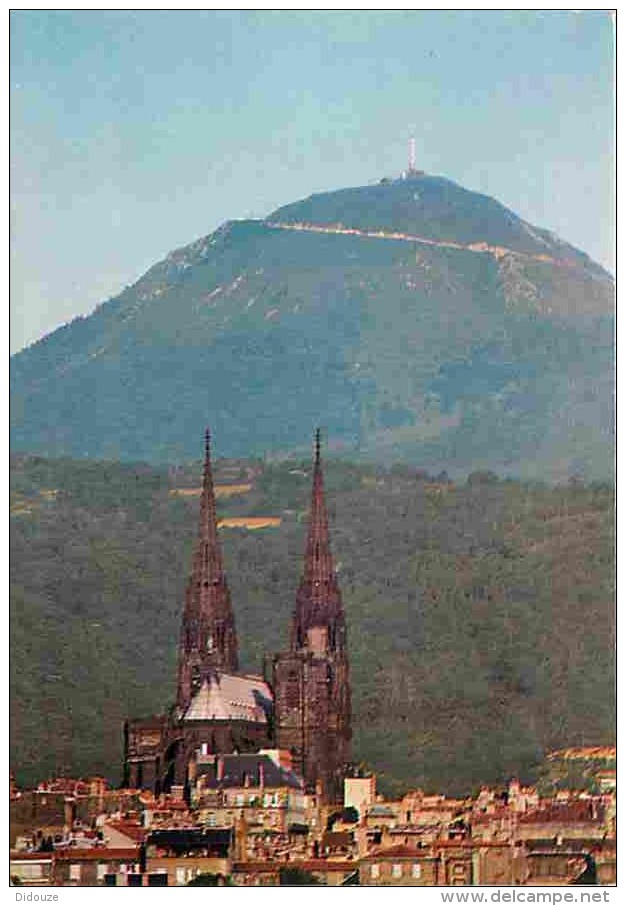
(304, 706)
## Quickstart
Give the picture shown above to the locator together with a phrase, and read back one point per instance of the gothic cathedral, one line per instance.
(303, 707)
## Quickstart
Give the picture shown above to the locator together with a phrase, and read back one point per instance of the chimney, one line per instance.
(361, 836)
(69, 811)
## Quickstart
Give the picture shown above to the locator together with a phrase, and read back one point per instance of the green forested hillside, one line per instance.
(441, 352)
(480, 615)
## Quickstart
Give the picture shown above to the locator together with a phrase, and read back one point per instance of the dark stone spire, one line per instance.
(318, 600)
(207, 565)
(312, 680)
(208, 637)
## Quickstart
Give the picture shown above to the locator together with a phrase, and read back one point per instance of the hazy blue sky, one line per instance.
(133, 133)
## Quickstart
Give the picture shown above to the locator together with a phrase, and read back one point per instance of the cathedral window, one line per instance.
(292, 690)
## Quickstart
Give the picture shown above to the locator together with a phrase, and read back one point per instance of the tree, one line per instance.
(208, 879)
(292, 877)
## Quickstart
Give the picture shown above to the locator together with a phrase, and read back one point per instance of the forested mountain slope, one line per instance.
(480, 614)
(414, 319)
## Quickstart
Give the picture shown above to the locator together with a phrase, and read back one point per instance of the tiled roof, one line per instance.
(228, 697)
(337, 838)
(98, 854)
(565, 812)
(496, 815)
(548, 881)
(577, 844)
(408, 851)
(132, 831)
(16, 855)
(471, 844)
(399, 852)
(306, 865)
(250, 770)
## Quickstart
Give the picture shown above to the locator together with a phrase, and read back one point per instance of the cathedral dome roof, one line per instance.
(224, 696)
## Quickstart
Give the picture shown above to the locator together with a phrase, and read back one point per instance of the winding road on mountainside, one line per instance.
(480, 247)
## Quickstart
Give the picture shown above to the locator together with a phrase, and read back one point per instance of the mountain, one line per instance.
(413, 319)
(481, 615)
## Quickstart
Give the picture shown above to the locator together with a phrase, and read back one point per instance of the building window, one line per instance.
(101, 870)
(157, 879)
(180, 876)
(375, 871)
(417, 870)
(74, 872)
(30, 872)
(396, 870)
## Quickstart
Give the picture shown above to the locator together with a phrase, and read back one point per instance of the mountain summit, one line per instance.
(415, 319)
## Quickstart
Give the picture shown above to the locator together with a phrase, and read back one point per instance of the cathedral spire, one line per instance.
(318, 600)
(208, 637)
(211, 565)
(318, 562)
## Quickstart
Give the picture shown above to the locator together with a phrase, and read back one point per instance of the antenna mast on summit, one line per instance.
(411, 154)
